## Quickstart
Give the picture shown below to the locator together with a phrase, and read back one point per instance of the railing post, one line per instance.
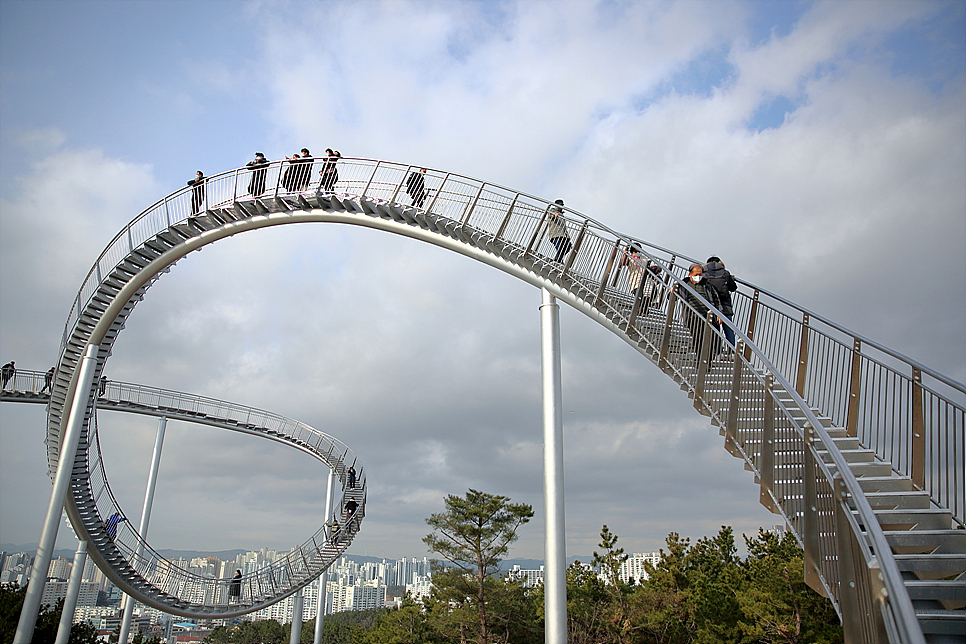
(752, 317)
(371, 177)
(575, 249)
(731, 426)
(855, 390)
(439, 191)
(802, 358)
(848, 598)
(703, 360)
(672, 300)
(638, 301)
(395, 193)
(506, 219)
(918, 432)
(766, 461)
(810, 527)
(471, 205)
(610, 265)
(538, 232)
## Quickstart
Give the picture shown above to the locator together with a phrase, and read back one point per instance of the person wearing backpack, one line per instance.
(724, 284)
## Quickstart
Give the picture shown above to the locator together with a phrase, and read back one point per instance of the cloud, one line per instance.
(427, 364)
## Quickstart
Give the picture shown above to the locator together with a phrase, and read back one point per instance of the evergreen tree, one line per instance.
(473, 534)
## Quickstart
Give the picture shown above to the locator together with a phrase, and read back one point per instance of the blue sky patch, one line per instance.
(771, 114)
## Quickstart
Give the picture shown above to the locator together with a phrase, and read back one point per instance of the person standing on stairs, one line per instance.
(416, 187)
(724, 284)
(329, 173)
(258, 165)
(48, 380)
(695, 315)
(7, 372)
(557, 230)
(197, 192)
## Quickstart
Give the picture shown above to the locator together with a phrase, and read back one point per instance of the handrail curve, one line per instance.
(782, 362)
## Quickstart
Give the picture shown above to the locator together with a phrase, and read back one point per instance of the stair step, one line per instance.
(922, 519)
(898, 500)
(938, 589)
(939, 541)
(946, 563)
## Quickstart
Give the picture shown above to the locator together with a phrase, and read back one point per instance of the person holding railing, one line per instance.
(724, 284)
(112, 522)
(305, 170)
(416, 187)
(258, 166)
(696, 314)
(197, 192)
(234, 588)
(329, 173)
(7, 372)
(557, 230)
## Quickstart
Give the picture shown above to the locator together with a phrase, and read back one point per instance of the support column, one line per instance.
(73, 589)
(297, 603)
(555, 553)
(58, 495)
(324, 577)
(143, 527)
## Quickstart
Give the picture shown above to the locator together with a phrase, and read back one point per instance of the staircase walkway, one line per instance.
(859, 448)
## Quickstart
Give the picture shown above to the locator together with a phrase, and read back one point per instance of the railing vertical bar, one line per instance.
(662, 361)
(918, 432)
(855, 390)
(752, 319)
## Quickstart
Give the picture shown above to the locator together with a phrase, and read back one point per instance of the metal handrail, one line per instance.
(514, 225)
(165, 575)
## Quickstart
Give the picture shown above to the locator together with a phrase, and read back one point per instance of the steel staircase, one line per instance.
(857, 447)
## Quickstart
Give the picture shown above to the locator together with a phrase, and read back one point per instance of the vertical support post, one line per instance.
(703, 361)
(848, 598)
(58, 495)
(607, 270)
(731, 427)
(297, 602)
(537, 232)
(766, 461)
(73, 589)
(802, 358)
(143, 526)
(752, 318)
(810, 529)
(324, 577)
(666, 338)
(506, 219)
(855, 390)
(555, 555)
(576, 249)
(439, 191)
(471, 205)
(375, 169)
(918, 432)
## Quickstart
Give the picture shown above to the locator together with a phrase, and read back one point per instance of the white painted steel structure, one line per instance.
(860, 449)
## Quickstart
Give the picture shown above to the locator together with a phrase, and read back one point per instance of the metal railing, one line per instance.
(912, 416)
(260, 587)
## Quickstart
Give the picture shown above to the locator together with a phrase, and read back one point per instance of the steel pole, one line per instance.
(297, 603)
(324, 577)
(65, 461)
(143, 528)
(555, 551)
(73, 589)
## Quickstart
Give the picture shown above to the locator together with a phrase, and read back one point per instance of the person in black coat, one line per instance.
(197, 192)
(724, 284)
(696, 314)
(258, 166)
(416, 187)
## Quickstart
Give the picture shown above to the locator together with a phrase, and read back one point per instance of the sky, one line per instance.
(819, 148)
